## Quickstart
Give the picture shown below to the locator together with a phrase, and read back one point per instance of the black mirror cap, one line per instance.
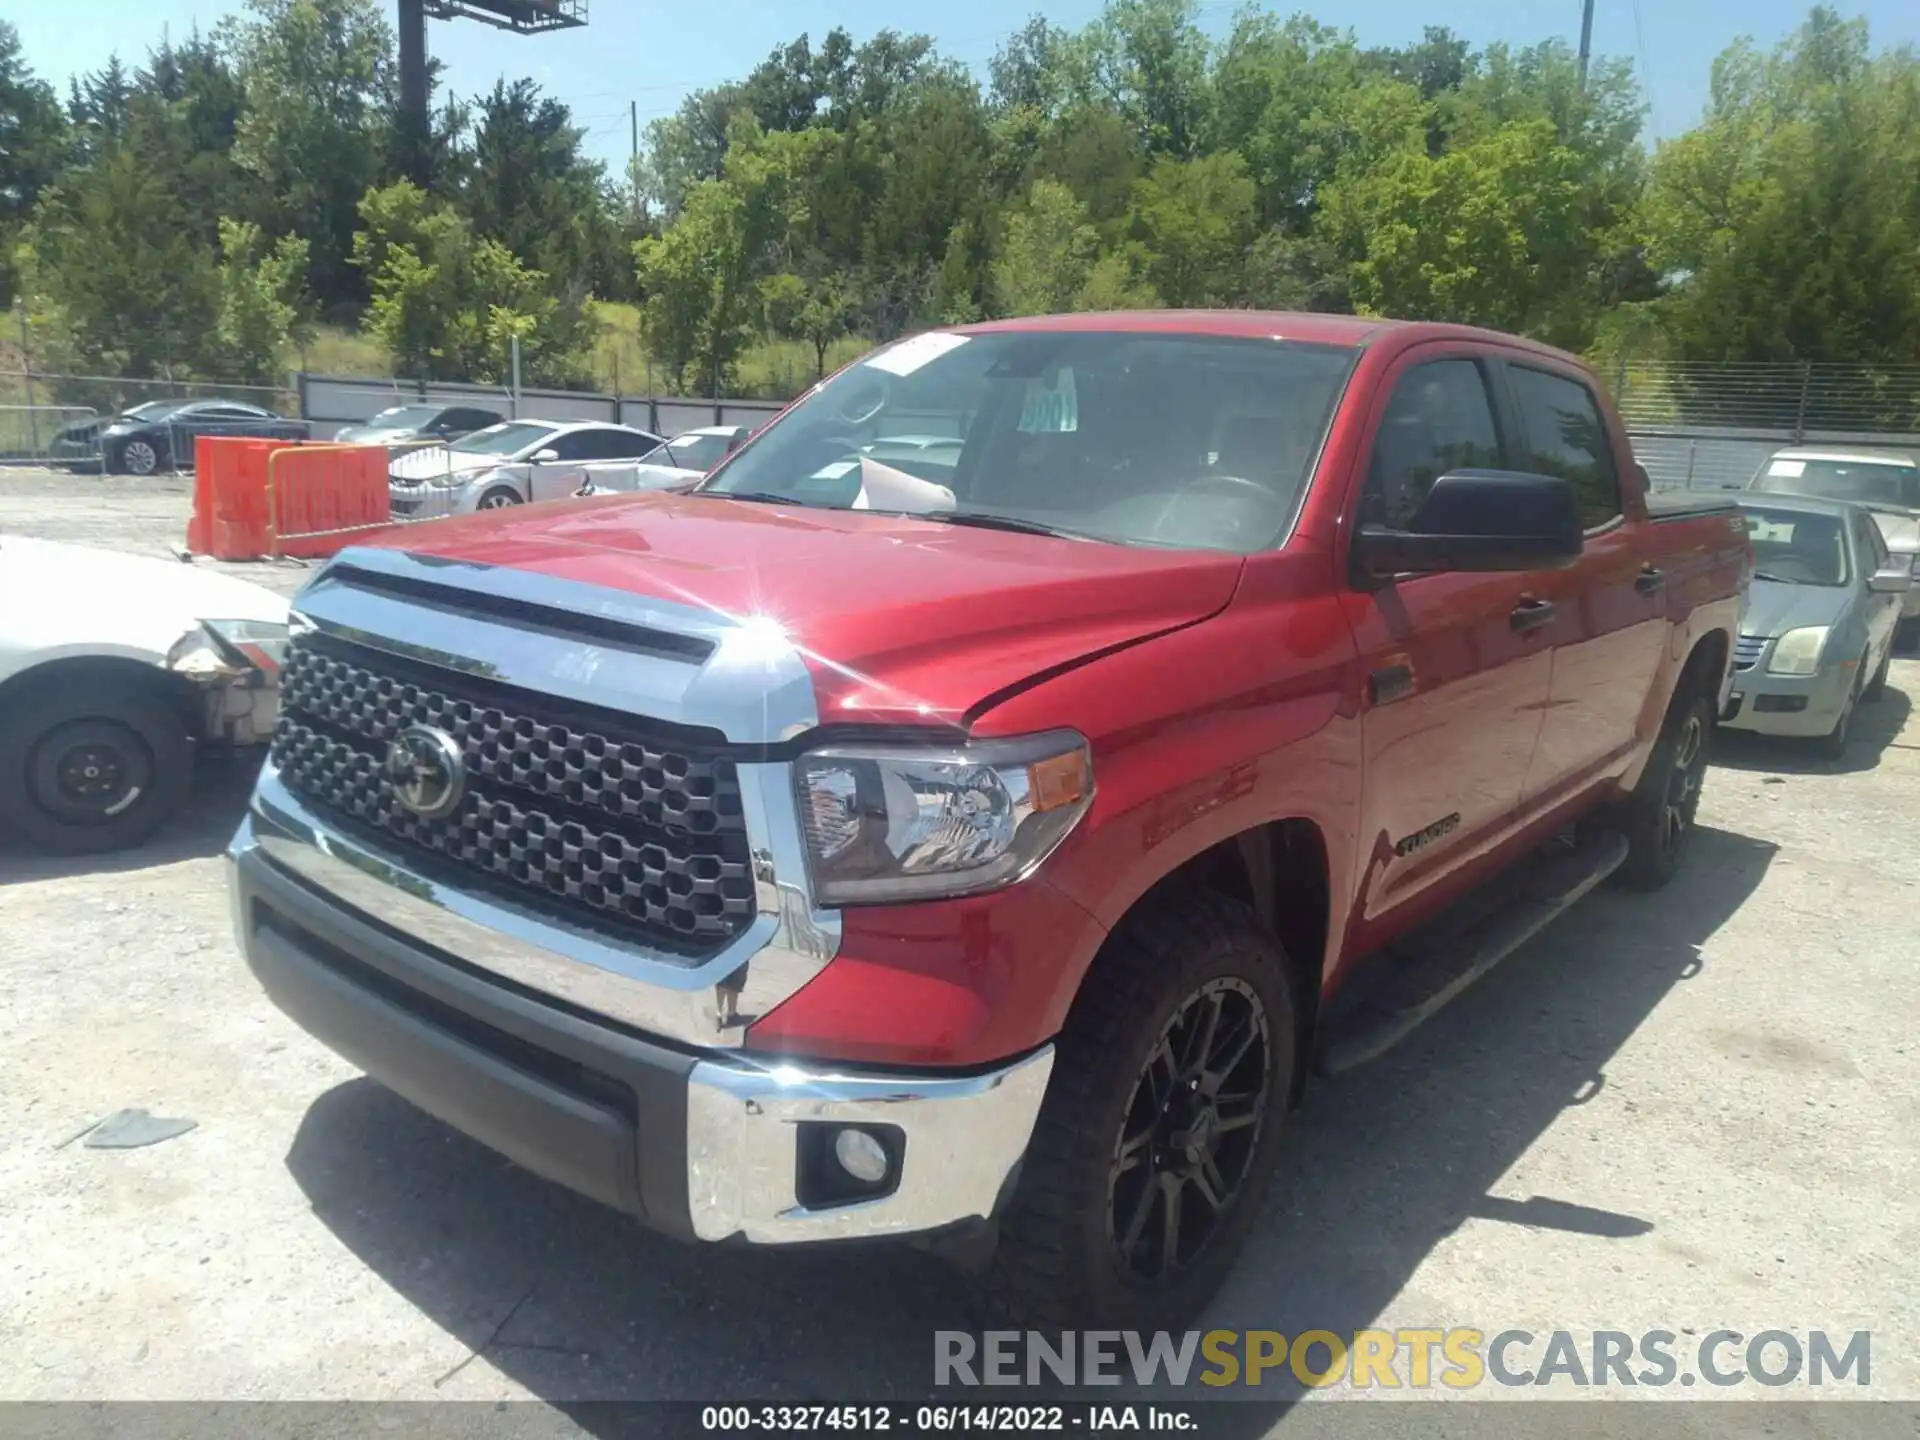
(1479, 520)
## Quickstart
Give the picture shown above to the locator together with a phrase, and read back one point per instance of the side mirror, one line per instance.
(1891, 581)
(1478, 520)
(545, 457)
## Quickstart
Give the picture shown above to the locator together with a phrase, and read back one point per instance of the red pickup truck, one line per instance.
(975, 810)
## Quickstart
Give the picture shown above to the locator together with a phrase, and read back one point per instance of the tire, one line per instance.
(1877, 686)
(1833, 744)
(1906, 635)
(500, 497)
(1658, 818)
(92, 767)
(1058, 1263)
(138, 457)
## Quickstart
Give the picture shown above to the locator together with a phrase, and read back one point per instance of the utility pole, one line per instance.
(414, 120)
(633, 162)
(1586, 41)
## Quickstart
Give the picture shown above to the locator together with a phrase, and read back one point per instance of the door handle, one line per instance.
(1650, 581)
(1530, 615)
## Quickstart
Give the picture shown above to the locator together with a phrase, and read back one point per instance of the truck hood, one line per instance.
(73, 599)
(902, 620)
(1775, 607)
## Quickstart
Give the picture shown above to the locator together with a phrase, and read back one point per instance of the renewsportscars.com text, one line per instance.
(1456, 1359)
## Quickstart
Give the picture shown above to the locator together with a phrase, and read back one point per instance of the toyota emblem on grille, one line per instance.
(427, 771)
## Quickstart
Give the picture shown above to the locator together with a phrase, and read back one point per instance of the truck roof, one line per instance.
(1311, 328)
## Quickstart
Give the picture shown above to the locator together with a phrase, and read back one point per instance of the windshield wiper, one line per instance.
(985, 521)
(757, 497)
(1779, 579)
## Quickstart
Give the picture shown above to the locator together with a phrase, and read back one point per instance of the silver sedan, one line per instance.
(1817, 635)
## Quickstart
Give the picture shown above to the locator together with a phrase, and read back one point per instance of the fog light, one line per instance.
(861, 1156)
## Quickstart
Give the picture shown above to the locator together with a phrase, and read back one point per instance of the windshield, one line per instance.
(689, 452)
(406, 417)
(1864, 482)
(1150, 439)
(502, 439)
(1797, 548)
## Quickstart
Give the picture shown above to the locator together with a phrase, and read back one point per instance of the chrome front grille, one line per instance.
(1747, 651)
(589, 815)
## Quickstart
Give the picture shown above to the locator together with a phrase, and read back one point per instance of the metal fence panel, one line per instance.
(1714, 458)
(50, 435)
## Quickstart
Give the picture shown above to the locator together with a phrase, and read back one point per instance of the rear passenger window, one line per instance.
(1439, 418)
(1566, 437)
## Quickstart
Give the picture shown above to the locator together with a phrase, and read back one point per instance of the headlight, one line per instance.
(249, 644)
(453, 479)
(890, 823)
(1798, 651)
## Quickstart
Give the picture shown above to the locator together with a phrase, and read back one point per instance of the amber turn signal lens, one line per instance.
(1059, 780)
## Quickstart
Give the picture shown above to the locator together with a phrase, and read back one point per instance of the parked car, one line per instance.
(679, 463)
(114, 670)
(508, 464)
(419, 424)
(1817, 636)
(161, 433)
(1886, 482)
(844, 850)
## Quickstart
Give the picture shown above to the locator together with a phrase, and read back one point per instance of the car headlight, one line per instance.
(249, 644)
(1798, 651)
(891, 823)
(456, 479)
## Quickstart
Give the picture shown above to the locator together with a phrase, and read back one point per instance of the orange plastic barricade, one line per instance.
(230, 496)
(320, 498)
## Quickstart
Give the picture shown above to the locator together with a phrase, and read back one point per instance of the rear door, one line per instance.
(1610, 607)
(1455, 667)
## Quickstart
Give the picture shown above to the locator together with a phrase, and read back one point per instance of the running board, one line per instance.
(1392, 993)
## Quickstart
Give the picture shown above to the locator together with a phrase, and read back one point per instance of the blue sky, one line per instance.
(651, 52)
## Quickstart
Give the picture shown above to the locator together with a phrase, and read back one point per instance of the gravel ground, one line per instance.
(1688, 1111)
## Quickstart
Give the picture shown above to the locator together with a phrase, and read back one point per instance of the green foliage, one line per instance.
(262, 311)
(447, 303)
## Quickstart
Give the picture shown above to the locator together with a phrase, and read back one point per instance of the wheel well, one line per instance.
(1708, 662)
(82, 670)
(1280, 871)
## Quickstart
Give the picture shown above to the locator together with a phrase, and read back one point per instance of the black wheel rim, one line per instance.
(89, 773)
(1683, 785)
(1192, 1127)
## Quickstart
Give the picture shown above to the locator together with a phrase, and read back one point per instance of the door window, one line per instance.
(1566, 437)
(1440, 418)
(579, 445)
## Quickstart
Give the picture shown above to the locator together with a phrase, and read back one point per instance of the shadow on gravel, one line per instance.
(1877, 724)
(202, 828)
(578, 1305)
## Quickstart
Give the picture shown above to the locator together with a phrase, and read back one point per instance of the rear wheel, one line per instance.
(1161, 1124)
(1659, 817)
(93, 767)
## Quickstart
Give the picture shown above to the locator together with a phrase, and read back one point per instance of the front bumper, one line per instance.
(700, 1145)
(1796, 706)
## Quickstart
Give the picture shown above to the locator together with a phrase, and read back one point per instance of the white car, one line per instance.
(686, 458)
(511, 463)
(113, 669)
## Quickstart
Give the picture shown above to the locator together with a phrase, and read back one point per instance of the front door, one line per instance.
(1454, 667)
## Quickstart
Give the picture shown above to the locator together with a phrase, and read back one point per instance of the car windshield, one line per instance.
(1864, 482)
(689, 452)
(502, 439)
(1133, 438)
(1797, 548)
(406, 417)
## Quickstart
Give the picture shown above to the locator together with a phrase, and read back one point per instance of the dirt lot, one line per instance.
(1690, 1111)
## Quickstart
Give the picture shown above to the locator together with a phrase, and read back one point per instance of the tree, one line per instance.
(33, 146)
(314, 136)
(817, 310)
(261, 305)
(1196, 220)
(447, 302)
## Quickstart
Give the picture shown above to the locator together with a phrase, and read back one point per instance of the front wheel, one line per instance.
(91, 768)
(1877, 686)
(1833, 744)
(1659, 816)
(1160, 1128)
(139, 457)
(498, 498)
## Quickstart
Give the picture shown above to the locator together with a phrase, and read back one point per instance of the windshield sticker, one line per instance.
(909, 355)
(1788, 469)
(884, 488)
(1052, 407)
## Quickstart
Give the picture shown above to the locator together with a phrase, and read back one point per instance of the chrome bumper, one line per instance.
(964, 1138)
